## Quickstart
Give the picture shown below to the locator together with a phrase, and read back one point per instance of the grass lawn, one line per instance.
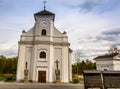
(2, 78)
(7, 78)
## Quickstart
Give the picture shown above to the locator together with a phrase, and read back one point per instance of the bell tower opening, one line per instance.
(43, 32)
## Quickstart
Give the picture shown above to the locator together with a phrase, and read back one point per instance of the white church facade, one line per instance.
(40, 47)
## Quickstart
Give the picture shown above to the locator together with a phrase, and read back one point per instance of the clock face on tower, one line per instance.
(44, 22)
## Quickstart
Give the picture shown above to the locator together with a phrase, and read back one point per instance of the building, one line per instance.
(108, 62)
(40, 47)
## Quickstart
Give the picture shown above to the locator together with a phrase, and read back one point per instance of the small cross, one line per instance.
(44, 4)
(26, 65)
(57, 63)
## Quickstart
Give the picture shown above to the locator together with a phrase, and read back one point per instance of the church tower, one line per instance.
(40, 47)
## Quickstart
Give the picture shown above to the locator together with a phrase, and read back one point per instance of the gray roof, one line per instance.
(91, 71)
(99, 71)
(106, 56)
(44, 12)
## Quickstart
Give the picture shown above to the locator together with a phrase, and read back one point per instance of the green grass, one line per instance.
(2, 78)
(10, 79)
(7, 78)
(76, 79)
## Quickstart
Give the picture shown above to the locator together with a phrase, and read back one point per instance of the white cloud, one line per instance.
(83, 29)
(9, 49)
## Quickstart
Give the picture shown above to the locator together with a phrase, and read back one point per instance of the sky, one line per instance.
(92, 26)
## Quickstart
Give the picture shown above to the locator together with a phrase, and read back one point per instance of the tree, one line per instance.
(2, 63)
(83, 65)
(113, 49)
(8, 65)
(90, 65)
(77, 55)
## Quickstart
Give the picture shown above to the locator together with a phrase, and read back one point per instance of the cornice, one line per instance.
(45, 42)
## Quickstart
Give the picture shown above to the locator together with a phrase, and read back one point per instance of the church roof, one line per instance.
(106, 56)
(44, 12)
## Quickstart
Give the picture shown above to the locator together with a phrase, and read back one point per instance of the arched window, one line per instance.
(43, 32)
(42, 54)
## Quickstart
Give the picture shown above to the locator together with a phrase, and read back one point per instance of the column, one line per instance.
(65, 75)
(51, 61)
(21, 63)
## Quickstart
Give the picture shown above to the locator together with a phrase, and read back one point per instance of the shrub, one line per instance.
(75, 80)
(10, 79)
(2, 78)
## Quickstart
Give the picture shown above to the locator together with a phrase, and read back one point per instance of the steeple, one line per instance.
(44, 4)
(44, 12)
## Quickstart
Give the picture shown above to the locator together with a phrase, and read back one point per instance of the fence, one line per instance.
(101, 79)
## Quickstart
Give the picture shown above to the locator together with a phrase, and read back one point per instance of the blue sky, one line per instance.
(92, 25)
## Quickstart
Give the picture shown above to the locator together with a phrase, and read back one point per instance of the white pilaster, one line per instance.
(36, 32)
(70, 67)
(51, 62)
(35, 63)
(51, 30)
(65, 65)
(21, 63)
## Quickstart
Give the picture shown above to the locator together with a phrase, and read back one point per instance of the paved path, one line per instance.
(40, 86)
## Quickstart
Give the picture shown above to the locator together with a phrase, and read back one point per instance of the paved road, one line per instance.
(41, 86)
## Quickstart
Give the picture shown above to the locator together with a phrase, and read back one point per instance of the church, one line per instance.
(40, 47)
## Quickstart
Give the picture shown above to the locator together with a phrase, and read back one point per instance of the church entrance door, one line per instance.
(42, 76)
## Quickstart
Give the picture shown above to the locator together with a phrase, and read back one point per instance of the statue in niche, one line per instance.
(26, 74)
(57, 72)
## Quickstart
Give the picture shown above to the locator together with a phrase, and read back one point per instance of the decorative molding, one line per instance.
(45, 42)
(42, 61)
(43, 49)
(42, 66)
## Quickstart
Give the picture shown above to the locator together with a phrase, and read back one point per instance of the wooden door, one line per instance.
(42, 76)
